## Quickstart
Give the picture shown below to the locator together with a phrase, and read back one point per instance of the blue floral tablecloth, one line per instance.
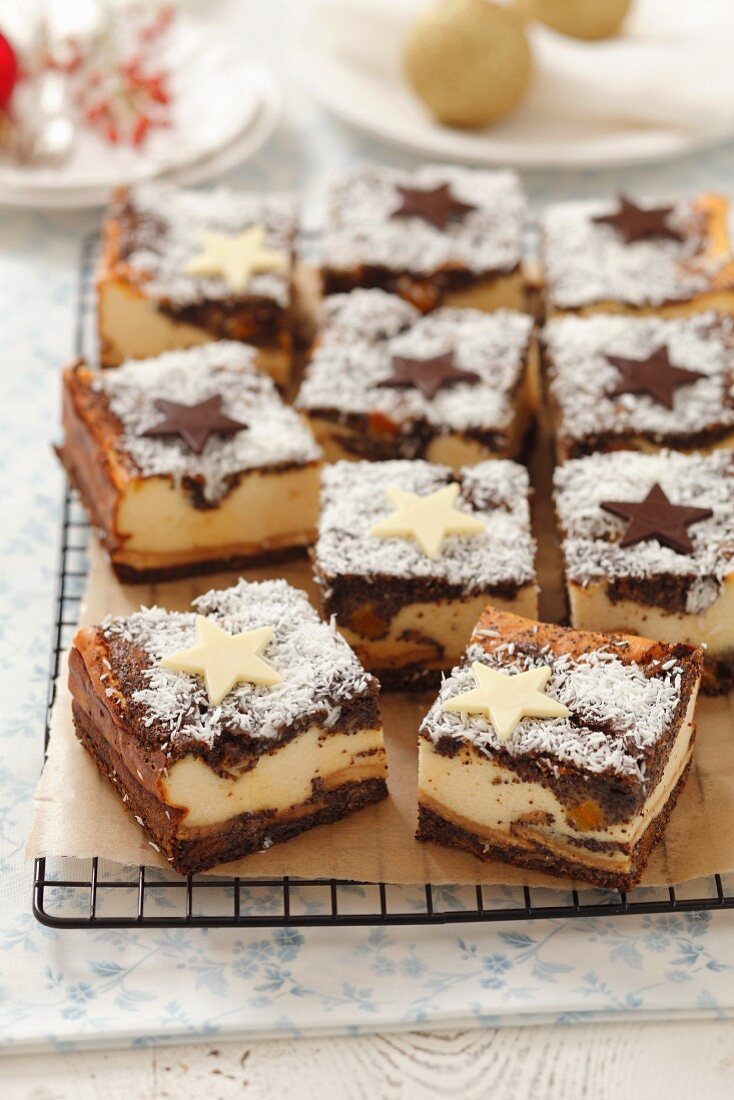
(63, 988)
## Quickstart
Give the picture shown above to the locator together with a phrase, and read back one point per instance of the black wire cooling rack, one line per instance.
(71, 893)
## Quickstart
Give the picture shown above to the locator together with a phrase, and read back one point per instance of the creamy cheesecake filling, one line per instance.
(502, 292)
(717, 300)
(482, 797)
(433, 634)
(279, 781)
(157, 522)
(591, 609)
(132, 327)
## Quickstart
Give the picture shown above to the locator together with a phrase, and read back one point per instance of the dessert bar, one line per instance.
(648, 546)
(558, 750)
(189, 462)
(641, 383)
(229, 728)
(181, 268)
(409, 553)
(437, 235)
(621, 257)
(456, 386)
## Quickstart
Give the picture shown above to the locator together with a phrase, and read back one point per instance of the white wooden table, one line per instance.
(675, 1060)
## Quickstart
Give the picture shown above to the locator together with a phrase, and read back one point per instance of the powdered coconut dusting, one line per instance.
(275, 434)
(354, 499)
(360, 229)
(582, 377)
(632, 708)
(365, 329)
(166, 235)
(320, 672)
(591, 536)
(587, 262)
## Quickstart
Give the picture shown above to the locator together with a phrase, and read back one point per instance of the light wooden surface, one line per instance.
(675, 1060)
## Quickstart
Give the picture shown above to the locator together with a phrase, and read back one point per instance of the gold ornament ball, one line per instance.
(586, 19)
(469, 61)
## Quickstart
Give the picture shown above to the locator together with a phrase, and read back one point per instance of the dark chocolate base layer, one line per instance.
(718, 676)
(239, 836)
(431, 826)
(410, 678)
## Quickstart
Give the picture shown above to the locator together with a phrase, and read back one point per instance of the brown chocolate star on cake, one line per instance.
(189, 462)
(181, 268)
(229, 728)
(641, 383)
(671, 259)
(456, 386)
(559, 750)
(409, 553)
(648, 544)
(438, 235)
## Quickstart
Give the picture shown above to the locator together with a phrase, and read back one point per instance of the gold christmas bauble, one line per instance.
(587, 19)
(469, 61)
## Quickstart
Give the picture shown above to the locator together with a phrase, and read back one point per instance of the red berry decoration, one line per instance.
(8, 71)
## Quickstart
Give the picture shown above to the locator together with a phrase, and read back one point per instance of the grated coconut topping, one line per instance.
(591, 535)
(275, 434)
(353, 499)
(320, 672)
(360, 230)
(365, 329)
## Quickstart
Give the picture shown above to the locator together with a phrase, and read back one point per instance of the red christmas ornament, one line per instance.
(8, 71)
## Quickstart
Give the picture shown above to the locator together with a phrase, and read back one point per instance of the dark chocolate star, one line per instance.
(636, 223)
(655, 375)
(194, 423)
(428, 375)
(436, 205)
(656, 517)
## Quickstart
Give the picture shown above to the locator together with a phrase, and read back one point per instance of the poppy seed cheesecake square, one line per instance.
(436, 235)
(641, 383)
(409, 553)
(648, 546)
(558, 750)
(189, 462)
(456, 386)
(180, 268)
(231, 727)
(622, 256)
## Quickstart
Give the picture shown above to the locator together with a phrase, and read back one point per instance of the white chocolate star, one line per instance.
(427, 519)
(505, 698)
(225, 659)
(236, 259)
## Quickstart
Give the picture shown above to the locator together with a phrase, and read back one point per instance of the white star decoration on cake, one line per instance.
(225, 659)
(505, 698)
(427, 519)
(237, 258)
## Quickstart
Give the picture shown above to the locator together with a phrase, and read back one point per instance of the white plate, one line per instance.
(347, 55)
(266, 115)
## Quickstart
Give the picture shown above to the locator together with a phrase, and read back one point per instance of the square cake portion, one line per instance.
(437, 235)
(231, 727)
(641, 383)
(457, 386)
(648, 546)
(189, 462)
(621, 257)
(409, 553)
(181, 268)
(558, 750)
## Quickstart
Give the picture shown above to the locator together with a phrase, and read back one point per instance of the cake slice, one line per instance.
(457, 386)
(231, 727)
(627, 257)
(409, 553)
(436, 235)
(181, 268)
(558, 750)
(648, 546)
(189, 462)
(641, 383)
